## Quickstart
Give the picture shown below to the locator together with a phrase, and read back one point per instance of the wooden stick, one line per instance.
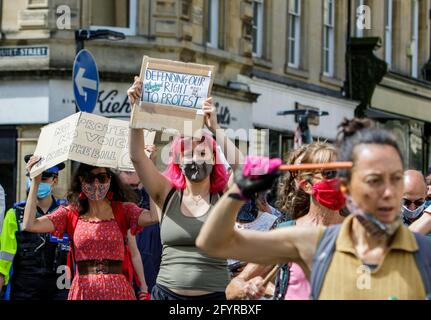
(316, 166)
(270, 275)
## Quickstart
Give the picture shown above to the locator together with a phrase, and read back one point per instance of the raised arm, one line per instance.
(30, 222)
(233, 155)
(219, 238)
(154, 182)
(423, 224)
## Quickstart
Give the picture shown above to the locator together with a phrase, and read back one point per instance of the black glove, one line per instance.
(250, 184)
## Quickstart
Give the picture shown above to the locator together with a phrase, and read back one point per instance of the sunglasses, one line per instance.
(46, 175)
(417, 203)
(101, 177)
(329, 174)
(326, 174)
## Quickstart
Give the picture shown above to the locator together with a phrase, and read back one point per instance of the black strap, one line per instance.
(168, 198)
(322, 259)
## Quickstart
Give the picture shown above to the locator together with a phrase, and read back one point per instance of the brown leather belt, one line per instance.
(99, 267)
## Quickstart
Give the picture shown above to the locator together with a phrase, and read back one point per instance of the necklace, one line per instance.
(197, 199)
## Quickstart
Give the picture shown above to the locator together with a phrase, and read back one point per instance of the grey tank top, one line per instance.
(183, 265)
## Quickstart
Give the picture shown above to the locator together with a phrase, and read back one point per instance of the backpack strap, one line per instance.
(283, 276)
(423, 261)
(322, 258)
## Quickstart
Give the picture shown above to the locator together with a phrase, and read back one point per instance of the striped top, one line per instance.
(397, 277)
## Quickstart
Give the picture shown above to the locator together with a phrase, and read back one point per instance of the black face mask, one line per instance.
(196, 172)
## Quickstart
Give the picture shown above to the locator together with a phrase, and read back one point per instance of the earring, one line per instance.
(82, 196)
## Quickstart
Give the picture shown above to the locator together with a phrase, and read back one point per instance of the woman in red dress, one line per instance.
(96, 200)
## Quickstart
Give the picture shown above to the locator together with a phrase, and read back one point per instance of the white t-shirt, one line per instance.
(264, 222)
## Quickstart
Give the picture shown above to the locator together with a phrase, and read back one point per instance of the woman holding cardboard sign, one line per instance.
(97, 220)
(186, 192)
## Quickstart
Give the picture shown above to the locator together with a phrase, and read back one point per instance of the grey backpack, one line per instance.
(325, 252)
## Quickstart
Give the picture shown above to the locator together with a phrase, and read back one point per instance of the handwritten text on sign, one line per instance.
(177, 89)
(86, 138)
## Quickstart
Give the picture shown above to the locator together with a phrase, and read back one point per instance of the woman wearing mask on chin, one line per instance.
(99, 216)
(371, 255)
(186, 192)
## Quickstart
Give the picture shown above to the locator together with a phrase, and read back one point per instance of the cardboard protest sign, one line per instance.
(173, 92)
(86, 138)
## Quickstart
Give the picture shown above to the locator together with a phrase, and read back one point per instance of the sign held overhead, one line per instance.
(173, 92)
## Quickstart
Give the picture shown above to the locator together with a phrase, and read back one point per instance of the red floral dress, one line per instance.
(100, 240)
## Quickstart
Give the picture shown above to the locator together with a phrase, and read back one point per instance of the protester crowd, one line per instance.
(205, 229)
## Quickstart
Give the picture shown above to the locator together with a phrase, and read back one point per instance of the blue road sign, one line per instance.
(85, 81)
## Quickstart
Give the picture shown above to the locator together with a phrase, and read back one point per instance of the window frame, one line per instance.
(359, 33)
(133, 17)
(213, 27)
(296, 38)
(258, 53)
(389, 14)
(329, 46)
(415, 39)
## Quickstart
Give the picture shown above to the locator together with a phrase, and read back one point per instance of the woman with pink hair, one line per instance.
(192, 184)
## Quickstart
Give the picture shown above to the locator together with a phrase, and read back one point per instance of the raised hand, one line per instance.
(135, 91)
(152, 150)
(30, 164)
(256, 175)
(210, 113)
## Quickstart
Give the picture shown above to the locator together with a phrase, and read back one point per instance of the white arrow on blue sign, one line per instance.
(85, 81)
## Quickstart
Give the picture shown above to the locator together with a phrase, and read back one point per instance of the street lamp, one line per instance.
(82, 35)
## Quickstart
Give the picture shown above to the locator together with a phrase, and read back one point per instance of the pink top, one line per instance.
(299, 288)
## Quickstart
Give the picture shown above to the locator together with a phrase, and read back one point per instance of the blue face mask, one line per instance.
(248, 212)
(43, 191)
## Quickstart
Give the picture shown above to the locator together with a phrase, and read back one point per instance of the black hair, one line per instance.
(355, 132)
(120, 191)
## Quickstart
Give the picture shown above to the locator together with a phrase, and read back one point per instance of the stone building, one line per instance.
(270, 56)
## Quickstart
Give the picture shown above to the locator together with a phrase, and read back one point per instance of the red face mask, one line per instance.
(328, 194)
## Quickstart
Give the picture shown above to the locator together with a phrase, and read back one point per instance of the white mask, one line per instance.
(413, 214)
